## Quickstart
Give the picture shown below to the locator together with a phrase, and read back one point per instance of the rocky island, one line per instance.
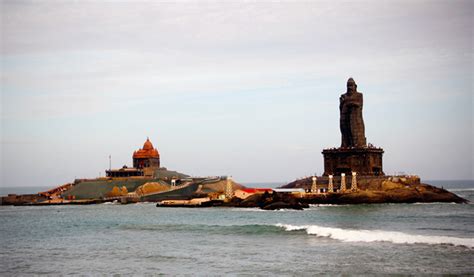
(353, 174)
(388, 189)
(362, 164)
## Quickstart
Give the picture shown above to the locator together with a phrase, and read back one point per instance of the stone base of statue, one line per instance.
(365, 161)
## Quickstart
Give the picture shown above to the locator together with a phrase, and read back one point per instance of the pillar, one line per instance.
(343, 182)
(314, 186)
(330, 185)
(229, 193)
(354, 181)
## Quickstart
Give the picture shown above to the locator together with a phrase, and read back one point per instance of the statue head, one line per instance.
(351, 86)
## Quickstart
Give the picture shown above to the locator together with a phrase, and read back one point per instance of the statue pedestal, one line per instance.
(365, 161)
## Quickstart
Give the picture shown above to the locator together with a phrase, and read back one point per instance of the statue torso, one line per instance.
(351, 100)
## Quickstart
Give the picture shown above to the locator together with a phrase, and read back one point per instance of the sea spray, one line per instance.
(352, 235)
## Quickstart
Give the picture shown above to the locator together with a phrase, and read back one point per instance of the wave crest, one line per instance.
(352, 235)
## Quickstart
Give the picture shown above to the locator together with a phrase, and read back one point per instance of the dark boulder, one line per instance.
(285, 205)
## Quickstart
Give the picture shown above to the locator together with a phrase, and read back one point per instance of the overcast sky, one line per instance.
(243, 89)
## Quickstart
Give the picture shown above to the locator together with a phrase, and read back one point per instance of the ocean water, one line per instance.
(142, 239)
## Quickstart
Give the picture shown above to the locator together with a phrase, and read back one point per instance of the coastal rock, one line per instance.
(272, 201)
(380, 190)
(253, 201)
(283, 205)
(152, 187)
(219, 186)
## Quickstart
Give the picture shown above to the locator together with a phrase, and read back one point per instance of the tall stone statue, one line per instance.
(353, 156)
(351, 121)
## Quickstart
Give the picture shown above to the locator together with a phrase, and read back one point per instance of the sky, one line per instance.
(234, 88)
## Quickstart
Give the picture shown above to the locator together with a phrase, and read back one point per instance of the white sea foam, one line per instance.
(247, 210)
(352, 235)
(260, 210)
(435, 203)
(115, 202)
(461, 189)
(324, 205)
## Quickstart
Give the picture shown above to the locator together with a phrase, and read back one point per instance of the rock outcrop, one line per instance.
(270, 201)
(380, 190)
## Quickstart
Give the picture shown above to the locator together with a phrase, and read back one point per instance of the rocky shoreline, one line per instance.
(369, 190)
(382, 190)
(373, 191)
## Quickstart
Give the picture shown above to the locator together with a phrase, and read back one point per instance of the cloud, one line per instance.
(274, 70)
(46, 27)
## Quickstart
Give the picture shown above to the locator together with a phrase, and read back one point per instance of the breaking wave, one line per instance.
(115, 202)
(251, 229)
(323, 205)
(352, 235)
(461, 189)
(345, 235)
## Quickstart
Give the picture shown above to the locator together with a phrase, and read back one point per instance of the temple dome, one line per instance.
(147, 145)
(148, 151)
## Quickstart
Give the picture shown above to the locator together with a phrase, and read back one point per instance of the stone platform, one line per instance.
(366, 161)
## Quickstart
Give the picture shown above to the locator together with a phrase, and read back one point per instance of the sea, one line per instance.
(142, 239)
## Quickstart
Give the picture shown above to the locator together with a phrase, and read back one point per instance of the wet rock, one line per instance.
(284, 205)
(273, 201)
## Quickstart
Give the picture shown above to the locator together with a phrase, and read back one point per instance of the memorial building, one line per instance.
(147, 156)
(145, 161)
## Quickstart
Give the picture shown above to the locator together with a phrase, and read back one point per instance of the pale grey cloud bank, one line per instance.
(248, 89)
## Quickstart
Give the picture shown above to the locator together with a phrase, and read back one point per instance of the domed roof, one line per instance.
(147, 145)
(148, 151)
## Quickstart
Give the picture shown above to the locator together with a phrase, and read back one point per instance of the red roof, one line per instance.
(147, 151)
(254, 190)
